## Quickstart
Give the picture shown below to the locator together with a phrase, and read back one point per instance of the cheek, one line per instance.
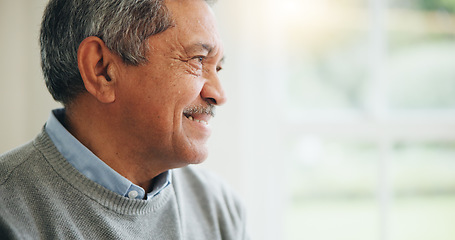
(161, 94)
(192, 86)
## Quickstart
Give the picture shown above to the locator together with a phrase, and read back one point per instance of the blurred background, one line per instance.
(340, 122)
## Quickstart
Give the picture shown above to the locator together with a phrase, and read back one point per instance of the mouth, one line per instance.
(191, 118)
(200, 114)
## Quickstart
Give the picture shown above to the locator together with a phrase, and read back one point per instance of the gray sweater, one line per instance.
(42, 196)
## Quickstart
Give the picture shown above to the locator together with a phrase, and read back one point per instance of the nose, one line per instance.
(213, 92)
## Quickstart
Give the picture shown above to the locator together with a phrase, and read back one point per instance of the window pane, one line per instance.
(424, 190)
(421, 58)
(326, 44)
(332, 185)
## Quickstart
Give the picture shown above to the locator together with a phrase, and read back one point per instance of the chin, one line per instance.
(195, 156)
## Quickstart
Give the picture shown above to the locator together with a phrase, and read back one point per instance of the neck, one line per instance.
(92, 125)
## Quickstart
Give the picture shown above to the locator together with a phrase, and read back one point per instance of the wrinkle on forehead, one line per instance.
(193, 31)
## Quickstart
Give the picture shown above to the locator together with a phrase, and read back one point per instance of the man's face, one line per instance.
(165, 103)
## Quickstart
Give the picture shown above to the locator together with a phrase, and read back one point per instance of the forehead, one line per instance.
(188, 10)
(194, 23)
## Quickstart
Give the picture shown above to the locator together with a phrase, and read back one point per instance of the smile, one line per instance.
(200, 114)
(197, 120)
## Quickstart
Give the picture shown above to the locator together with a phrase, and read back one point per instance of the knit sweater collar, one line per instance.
(92, 190)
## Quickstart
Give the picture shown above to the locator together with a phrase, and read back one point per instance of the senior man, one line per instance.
(138, 81)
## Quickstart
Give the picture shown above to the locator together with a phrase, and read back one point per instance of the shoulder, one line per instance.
(26, 161)
(12, 160)
(202, 193)
(16, 167)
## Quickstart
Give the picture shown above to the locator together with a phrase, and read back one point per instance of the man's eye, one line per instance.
(197, 61)
(199, 58)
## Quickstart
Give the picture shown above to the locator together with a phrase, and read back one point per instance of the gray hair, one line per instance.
(123, 25)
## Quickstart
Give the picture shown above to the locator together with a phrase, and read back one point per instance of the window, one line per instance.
(371, 97)
(346, 116)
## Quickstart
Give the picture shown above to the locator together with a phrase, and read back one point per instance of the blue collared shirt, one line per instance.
(94, 168)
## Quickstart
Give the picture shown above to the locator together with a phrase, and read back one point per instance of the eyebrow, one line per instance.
(207, 47)
(199, 46)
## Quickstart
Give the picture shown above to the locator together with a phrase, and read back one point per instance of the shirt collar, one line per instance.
(94, 168)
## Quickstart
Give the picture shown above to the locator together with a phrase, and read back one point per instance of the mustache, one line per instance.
(200, 109)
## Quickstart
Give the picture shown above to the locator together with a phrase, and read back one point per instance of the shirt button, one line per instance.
(133, 194)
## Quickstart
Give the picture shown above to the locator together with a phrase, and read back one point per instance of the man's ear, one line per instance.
(96, 62)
